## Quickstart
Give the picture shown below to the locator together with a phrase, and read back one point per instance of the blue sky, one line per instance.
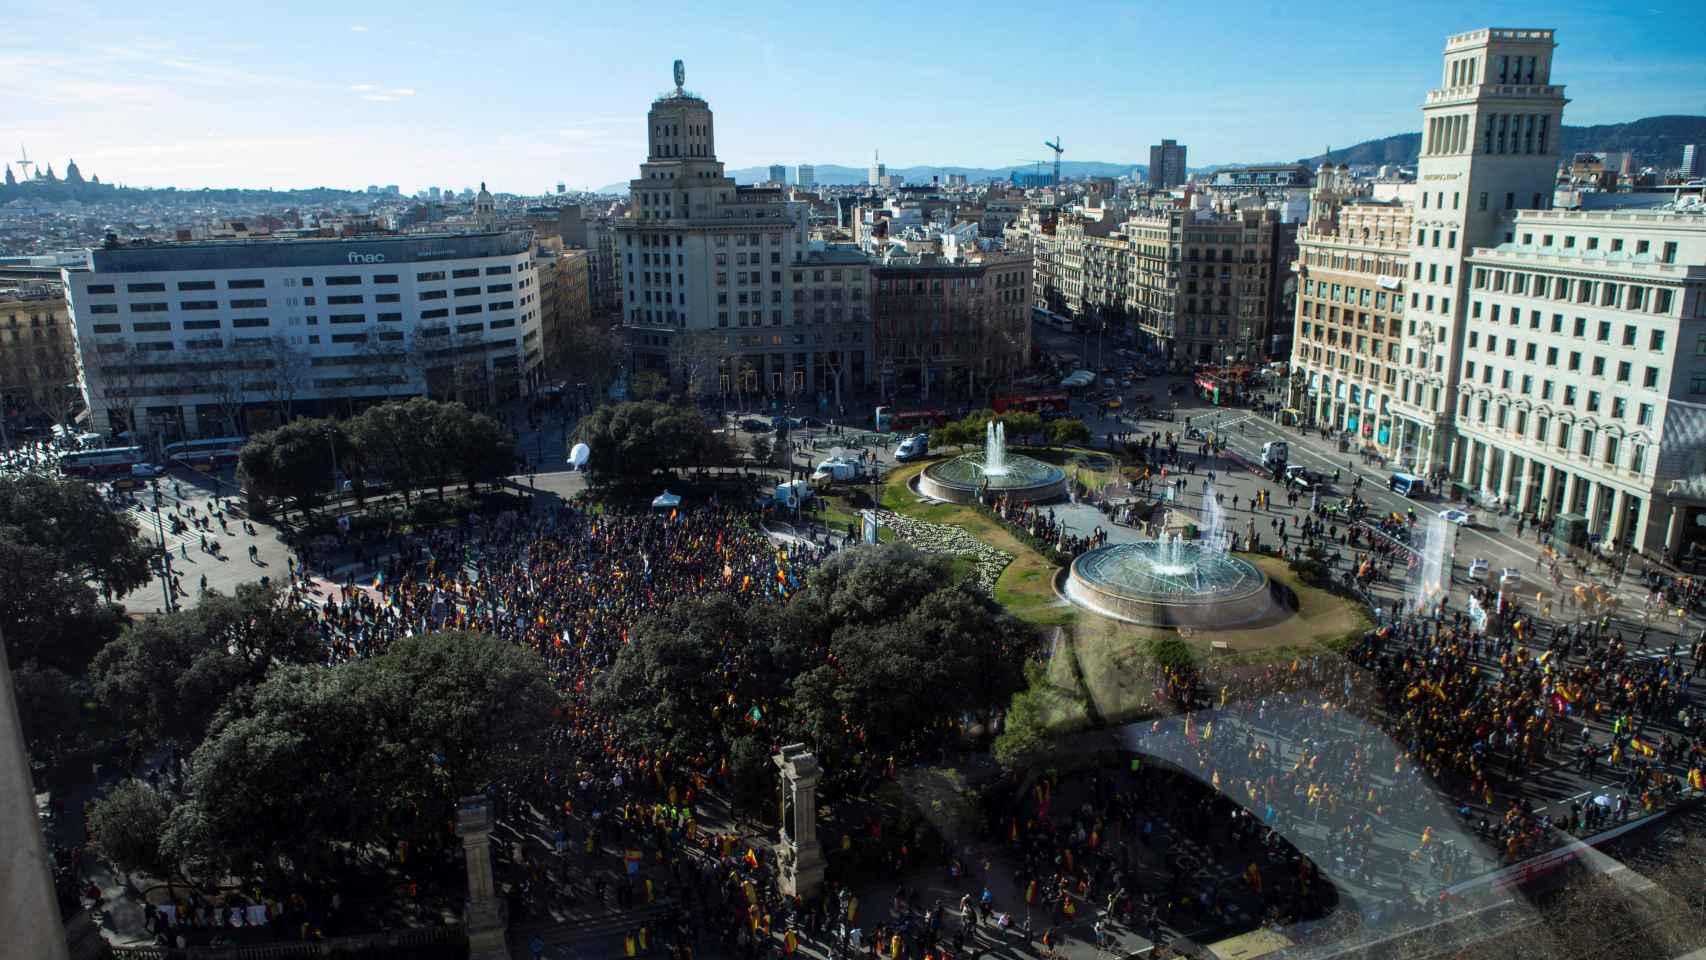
(296, 94)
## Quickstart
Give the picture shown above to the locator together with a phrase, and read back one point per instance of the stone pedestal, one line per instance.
(799, 856)
(485, 917)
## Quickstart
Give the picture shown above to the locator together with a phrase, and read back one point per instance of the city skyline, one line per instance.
(379, 97)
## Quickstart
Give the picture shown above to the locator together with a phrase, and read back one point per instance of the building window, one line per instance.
(254, 284)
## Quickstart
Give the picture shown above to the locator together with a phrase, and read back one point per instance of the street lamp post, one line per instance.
(332, 444)
(166, 590)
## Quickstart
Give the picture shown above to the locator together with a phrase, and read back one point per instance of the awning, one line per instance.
(666, 501)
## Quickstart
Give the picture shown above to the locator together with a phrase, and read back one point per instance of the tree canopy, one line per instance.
(880, 651)
(633, 441)
(295, 461)
(315, 755)
(67, 519)
(167, 675)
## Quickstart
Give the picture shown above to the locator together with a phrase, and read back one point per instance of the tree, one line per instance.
(49, 707)
(1021, 425)
(287, 371)
(315, 756)
(129, 823)
(397, 443)
(168, 675)
(586, 354)
(1065, 432)
(481, 706)
(631, 441)
(958, 434)
(68, 519)
(907, 650)
(295, 461)
(669, 687)
(479, 447)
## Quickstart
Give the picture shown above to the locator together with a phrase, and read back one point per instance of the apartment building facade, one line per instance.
(1352, 266)
(38, 354)
(219, 337)
(956, 329)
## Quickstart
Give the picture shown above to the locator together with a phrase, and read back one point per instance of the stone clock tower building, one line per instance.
(1489, 147)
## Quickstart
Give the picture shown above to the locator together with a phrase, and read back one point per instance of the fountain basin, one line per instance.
(1161, 584)
(1023, 478)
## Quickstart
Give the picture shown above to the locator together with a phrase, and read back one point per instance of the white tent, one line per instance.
(665, 501)
(578, 455)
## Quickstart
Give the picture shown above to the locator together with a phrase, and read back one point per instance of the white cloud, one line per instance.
(374, 93)
(358, 28)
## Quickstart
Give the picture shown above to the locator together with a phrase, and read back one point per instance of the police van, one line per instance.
(1406, 485)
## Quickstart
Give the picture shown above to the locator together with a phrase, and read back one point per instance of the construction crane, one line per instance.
(1058, 150)
(25, 164)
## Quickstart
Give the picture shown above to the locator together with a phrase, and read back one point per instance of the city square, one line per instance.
(1273, 560)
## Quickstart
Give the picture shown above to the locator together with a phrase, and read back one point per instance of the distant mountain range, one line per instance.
(1653, 142)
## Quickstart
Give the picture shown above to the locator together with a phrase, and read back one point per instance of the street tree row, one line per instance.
(403, 446)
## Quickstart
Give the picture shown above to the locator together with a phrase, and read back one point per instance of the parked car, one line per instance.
(753, 425)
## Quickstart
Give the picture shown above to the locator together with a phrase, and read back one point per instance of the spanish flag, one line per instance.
(1068, 907)
(1427, 835)
(1646, 749)
(1696, 779)
(790, 942)
(751, 858)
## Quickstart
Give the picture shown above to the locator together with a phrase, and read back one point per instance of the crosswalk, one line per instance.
(150, 532)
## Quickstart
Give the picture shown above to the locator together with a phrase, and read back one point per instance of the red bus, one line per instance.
(90, 463)
(905, 421)
(1033, 402)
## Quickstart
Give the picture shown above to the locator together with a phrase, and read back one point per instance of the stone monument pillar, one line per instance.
(486, 916)
(798, 853)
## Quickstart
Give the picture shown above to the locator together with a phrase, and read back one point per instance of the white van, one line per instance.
(913, 447)
(1406, 485)
(1275, 453)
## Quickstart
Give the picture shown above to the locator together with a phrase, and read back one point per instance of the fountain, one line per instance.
(963, 478)
(1213, 530)
(995, 449)
(1174, 582)
(1434, 536)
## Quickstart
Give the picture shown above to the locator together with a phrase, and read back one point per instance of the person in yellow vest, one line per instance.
(894, 947)
(645, 940)
(852, 909)
(650, 898)
(630, 945)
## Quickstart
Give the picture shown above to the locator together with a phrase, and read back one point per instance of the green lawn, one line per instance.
(1025, 588)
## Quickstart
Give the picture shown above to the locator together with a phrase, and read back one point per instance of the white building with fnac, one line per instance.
(220, 337)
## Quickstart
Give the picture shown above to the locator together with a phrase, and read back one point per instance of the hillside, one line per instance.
(1653, 141)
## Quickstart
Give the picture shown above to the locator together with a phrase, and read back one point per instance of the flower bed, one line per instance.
(945, 539)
